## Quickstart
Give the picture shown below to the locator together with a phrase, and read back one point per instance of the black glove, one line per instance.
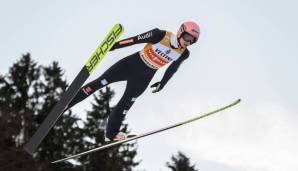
(158, 86)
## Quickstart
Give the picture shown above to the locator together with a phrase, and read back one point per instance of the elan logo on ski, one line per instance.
(100, 52)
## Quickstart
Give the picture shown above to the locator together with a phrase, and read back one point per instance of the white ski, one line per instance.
(149, 133)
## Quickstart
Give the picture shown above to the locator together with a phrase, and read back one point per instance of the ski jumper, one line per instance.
(137, 69)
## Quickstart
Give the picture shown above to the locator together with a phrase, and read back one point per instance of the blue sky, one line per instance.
(247, 49)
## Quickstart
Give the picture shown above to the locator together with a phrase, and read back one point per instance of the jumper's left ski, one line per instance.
(97, 56)
(149, 133)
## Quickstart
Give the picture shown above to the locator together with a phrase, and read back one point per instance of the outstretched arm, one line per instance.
(152, 36)
(170, 72)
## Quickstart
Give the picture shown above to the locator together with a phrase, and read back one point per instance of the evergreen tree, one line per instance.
(27, 94)
(120, 158)
(180, 163)
(16, 113)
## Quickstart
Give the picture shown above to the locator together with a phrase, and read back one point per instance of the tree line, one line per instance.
(28, 92)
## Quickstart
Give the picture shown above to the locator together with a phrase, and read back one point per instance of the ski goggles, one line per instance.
(189, 38)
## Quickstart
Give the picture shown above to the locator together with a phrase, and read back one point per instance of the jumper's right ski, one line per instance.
(100, 52)
(149, 133)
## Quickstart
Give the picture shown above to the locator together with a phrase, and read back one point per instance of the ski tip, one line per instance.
(118, 25)
(237, 101)
(28, 149)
